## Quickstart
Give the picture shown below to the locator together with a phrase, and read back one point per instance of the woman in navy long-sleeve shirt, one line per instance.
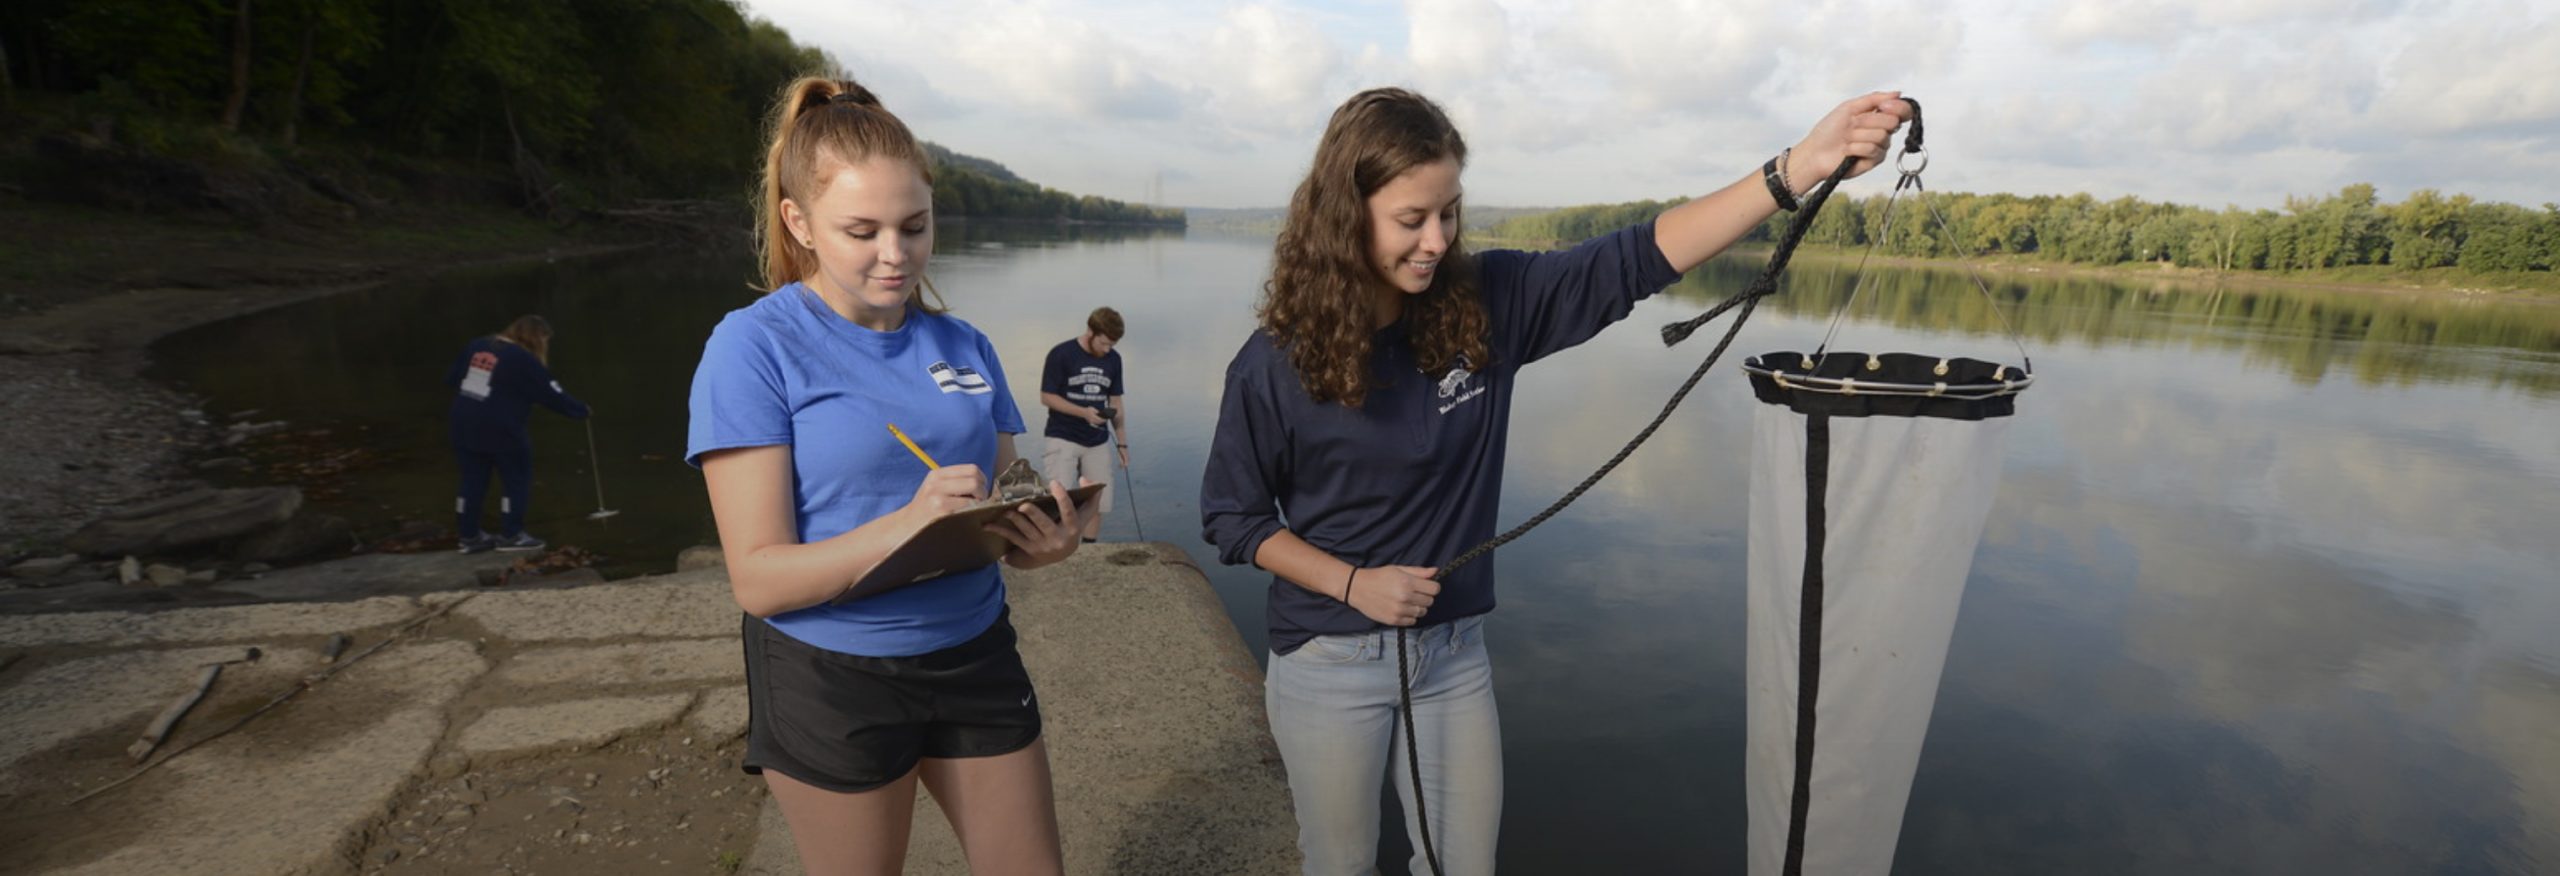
(1361, 437)
(496, 381)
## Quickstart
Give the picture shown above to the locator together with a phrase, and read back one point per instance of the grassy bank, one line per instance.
(2379, 278)
(2368, 277)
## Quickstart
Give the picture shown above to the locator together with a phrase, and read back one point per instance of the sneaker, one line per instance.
(476, 544)
(522, 541)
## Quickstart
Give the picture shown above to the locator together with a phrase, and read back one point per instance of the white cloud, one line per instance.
(2478, 73)
(1451, 40)
(1046, 62)
(2166, 22)
(2227, 95)
(1269, 69)
(1576, 101)
(1683, 54)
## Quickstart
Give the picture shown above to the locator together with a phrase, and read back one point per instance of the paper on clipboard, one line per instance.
(954, 542)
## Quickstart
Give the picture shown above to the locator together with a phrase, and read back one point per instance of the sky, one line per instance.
(2227, 102)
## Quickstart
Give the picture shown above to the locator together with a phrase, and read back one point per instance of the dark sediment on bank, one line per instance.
(90, 289)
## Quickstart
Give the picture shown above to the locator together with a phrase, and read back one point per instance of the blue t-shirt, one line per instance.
(787, 370)
(1085, 379)
(495, 386)
(1414, 476)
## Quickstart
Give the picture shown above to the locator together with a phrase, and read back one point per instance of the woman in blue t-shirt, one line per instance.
(850, 705)
(496, 382)
(1360, 443)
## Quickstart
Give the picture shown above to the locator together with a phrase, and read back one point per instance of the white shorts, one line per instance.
(1065, 461)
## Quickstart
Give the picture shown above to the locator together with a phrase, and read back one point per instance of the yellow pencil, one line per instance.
(911, 446)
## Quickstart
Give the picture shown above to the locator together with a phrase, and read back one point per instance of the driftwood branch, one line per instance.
(306, 683)
(160, 726)
(159, 729)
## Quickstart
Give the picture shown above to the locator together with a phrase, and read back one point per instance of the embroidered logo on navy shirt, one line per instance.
(1455, 381)
(963, 378)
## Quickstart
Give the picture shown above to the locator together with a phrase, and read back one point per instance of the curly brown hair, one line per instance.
(1316, 306)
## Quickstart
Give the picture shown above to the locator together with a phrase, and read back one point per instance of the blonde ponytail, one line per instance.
(819, 120)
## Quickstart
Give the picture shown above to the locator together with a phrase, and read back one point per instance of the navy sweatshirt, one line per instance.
(495, 385)
(1414, 476)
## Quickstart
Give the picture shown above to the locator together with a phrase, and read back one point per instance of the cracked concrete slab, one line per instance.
(65, 701)
(281, 797)
(232, 623)
(575, 724)
(683, 605)
(1159, 752)
(721, 716)
(683, 660)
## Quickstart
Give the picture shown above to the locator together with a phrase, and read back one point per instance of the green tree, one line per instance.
(2427, 230)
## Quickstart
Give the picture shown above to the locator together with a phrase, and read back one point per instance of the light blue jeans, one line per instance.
(1332, 705)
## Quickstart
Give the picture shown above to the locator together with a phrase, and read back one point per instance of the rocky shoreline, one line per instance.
(89, 444)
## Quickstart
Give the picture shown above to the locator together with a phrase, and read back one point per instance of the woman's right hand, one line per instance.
(1397, 596)
(947, 489)
(1861, 127)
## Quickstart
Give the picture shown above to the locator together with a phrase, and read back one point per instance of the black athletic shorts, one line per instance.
(847, 723)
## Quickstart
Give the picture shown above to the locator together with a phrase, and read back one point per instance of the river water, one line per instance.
(2271, 583)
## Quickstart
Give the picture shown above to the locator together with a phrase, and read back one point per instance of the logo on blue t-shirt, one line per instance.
(960, 379)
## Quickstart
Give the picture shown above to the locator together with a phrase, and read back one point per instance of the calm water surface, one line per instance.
(2271, 585)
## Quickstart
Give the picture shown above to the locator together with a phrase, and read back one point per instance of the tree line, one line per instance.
(623, 98)
(2353, 227)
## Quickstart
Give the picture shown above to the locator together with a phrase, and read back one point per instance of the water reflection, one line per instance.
(2380, 337)
(2268, 587)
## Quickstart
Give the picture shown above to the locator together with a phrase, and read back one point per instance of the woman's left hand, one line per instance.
(1039, 539)
(1861, 128)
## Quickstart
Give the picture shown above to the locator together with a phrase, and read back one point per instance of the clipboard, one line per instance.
(954, 542)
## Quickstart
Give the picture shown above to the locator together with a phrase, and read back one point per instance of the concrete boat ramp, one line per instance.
(581, 729)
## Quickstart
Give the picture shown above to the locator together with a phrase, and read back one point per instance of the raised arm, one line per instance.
(1696, 231)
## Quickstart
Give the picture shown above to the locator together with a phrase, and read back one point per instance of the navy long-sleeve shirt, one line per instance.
(1413, 476)
(496, 384)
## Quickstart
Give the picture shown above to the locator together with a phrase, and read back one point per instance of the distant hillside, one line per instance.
(946, 158)
(971, 187)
